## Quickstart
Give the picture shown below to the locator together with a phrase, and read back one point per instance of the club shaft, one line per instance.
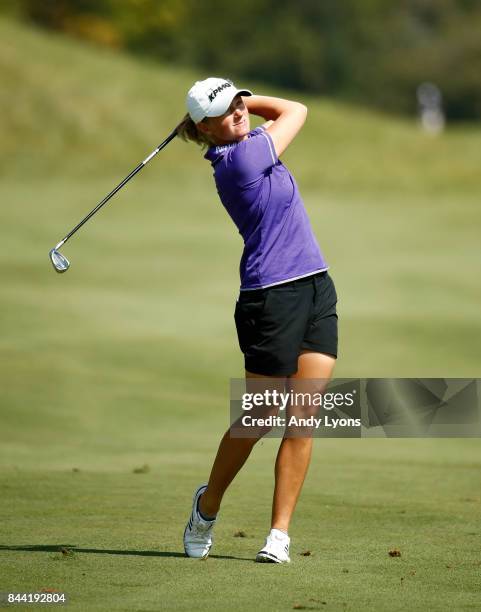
(119, 187)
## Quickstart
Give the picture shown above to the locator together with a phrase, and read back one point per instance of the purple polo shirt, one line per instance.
(262, 198)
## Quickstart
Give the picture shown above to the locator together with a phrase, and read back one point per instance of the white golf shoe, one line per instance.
(198, 532)
(276, 549)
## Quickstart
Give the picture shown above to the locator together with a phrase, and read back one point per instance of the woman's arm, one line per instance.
(285, 118)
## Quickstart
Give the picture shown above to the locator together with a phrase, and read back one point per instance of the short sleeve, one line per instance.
(253, 156)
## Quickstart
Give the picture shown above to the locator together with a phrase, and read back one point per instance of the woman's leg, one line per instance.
(294, 454)
(231, 456)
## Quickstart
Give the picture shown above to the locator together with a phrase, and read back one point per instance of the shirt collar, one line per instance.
(214, 154)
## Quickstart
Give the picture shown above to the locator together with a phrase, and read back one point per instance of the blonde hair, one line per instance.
(187, 130)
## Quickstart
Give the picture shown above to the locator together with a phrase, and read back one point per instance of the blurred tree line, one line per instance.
(370, 51)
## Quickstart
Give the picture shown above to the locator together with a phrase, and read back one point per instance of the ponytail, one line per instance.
(187, 130)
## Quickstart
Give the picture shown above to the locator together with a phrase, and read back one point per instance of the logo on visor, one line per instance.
(217, 90)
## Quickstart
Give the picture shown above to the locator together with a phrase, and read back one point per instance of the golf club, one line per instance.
(59, 261)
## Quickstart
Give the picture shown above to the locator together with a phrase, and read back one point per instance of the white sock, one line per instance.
(278, 534)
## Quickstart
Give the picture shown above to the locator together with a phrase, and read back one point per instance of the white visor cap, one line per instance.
(211, 97)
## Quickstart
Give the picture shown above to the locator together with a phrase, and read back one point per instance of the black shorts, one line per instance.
(276, 323)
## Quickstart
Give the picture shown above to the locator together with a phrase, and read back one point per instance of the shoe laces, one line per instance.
(200, 526)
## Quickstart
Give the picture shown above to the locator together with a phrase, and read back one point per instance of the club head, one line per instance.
(59, 261)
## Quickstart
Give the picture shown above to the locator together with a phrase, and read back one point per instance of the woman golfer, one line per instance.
(286, 311)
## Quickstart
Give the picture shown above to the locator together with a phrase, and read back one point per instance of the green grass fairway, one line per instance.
(125, 360)
(360, 501)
